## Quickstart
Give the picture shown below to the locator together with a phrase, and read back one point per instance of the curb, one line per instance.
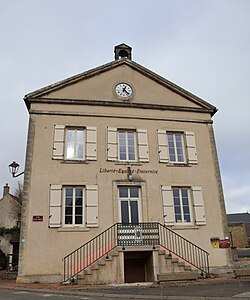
(115, 296)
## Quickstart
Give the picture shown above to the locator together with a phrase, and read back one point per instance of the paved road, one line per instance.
(204, 290)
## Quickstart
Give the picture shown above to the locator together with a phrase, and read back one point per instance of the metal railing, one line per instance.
(141, 234)
(184, 249)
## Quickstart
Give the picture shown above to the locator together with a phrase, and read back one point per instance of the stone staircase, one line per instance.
(109, 269)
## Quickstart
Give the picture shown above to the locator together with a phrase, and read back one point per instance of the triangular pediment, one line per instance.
(99, 84)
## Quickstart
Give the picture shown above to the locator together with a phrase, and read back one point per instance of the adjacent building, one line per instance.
(10, 217)
(121, 161)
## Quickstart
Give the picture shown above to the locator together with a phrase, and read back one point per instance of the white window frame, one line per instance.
(74, 206)
(130, 199)
(126, 144)
(182, 221)
(75, 129)
(175, 147)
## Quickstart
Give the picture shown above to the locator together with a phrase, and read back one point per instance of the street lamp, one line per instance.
(13, 167)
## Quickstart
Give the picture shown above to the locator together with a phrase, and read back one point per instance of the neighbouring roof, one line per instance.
(238, 218)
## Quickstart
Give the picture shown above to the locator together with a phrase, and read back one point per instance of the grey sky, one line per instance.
(201, 45)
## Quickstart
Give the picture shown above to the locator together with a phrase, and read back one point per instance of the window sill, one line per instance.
(73, 161)
(73, 229)
(178, 165)
(184, 227)
(128, 163)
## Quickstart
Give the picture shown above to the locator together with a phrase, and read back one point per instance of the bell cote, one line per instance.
(123, 51)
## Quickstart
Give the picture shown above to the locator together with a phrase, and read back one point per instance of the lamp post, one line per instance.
(13, 167)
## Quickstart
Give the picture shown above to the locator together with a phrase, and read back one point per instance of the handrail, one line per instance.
(184, 249)
(141, 234)
(84, 256)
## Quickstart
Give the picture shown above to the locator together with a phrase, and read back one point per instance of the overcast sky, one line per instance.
(201, 45)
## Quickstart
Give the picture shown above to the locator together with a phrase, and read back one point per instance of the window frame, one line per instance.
(129, 199)
(83, 129)
(183, 144)
(74, 224)
(182, 222)
(127, 153)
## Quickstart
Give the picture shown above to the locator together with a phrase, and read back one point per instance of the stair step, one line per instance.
(115, 253)
(87, 272)
(179, 276)
(175, 260)
(187, 268)
(95, 267)
(102, 262)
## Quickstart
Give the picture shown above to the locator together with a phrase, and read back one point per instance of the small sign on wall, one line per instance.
(224, 244)
(37, 218)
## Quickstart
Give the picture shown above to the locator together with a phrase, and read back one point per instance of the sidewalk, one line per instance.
(202, 289)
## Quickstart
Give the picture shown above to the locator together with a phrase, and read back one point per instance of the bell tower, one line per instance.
(123, 51)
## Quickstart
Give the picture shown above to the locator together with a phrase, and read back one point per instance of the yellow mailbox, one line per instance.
(215, 241)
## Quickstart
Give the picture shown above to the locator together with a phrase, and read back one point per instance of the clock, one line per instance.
(123, 90)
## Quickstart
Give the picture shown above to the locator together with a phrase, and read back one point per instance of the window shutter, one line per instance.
(200, 218)
(142, 135)
(163, 146)
(91, 144)
(168, 206)
(92, 205)
(58, 146)
(191, 148)
(112, 144)
(55, 205)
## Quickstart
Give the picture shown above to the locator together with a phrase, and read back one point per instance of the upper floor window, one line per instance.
(127, 145)
(75, 143)
(177, 147)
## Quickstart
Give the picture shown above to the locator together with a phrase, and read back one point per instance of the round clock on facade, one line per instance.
(123, 90)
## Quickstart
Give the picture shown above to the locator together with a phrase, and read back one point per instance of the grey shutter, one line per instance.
(92, 205)
(168, 205)
(163, 146)
(58, 146)
(55, 206)
(142, 136)
(112, 150)
(91, 143)
(191, 148)
(200, 218)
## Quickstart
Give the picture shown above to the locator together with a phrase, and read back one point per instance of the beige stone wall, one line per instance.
(239, 235)
(42, 248)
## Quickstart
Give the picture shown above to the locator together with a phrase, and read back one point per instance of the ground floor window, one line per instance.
(74, 205)
(129, 204)
(181, 205)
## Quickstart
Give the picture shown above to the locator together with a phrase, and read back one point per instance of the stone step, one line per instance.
(242, 272)
(178, 276)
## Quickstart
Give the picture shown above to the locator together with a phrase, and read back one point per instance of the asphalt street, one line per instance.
(201, 290)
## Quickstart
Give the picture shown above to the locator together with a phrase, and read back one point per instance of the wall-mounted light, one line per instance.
(129, 172)
(13, 167)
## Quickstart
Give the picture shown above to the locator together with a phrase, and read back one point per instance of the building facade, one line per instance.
(114, 146)
(10, 217)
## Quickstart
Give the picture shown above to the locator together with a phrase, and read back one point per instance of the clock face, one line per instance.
(123, 90)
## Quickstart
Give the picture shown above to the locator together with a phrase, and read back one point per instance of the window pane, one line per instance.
(79, 144)
(78, 220)
(68, 210)
(68, 219)
(123, 192)
(131, 145)
(124, 212)
(134, 212)
(78, 210)
(70, 143)
(134, 192)
(122, 146)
